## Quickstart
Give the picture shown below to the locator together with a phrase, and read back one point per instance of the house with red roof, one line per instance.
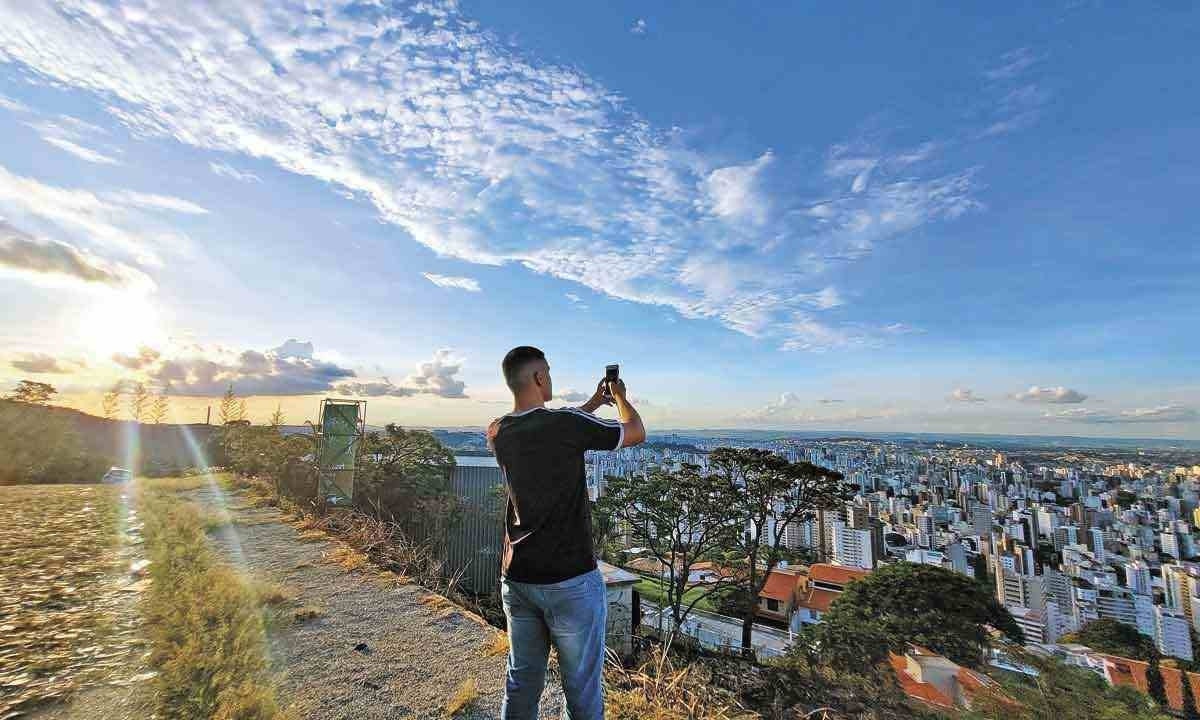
(1132, 673)
(939, 683)
(817, 590)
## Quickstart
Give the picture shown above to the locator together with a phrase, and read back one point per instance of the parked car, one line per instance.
(116, 475)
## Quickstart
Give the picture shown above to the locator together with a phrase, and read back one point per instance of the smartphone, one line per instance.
(611, 372)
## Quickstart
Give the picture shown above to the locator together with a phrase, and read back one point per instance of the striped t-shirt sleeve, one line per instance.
(595, 433)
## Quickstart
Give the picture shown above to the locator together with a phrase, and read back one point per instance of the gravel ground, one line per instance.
(414, 659)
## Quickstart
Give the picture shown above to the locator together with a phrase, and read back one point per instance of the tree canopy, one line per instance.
(1115, 638)
(904, 603)
(32, 392)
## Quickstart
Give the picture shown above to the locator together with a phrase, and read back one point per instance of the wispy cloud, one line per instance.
(791, 409)
(576, 301)
(80, 151)
(573, 396)
(1159, 414)
(1013, 63)
(966, 395)
(485, 154)
(450, 281)
(23, 253)
(227, 170)
(1057, 395)
(114, 219)
(638, 27)
(43, 364)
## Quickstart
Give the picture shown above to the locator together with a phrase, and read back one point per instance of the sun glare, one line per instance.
(121, 323)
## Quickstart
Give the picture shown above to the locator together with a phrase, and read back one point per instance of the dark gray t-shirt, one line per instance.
(548, 519)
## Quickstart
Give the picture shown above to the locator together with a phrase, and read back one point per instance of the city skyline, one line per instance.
(908, 219)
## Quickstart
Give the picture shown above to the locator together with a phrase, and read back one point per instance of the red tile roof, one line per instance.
(835, 574)
(779, 586)
(819, 600)
(922, 691)
(1125, 671)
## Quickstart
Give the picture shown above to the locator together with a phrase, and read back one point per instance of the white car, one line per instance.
(117, 475)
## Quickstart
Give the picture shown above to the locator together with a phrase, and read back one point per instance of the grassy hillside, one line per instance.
(149, 447)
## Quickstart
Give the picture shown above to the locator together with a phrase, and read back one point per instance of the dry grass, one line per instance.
(346, 557)
(306, 613)
(464, 698)
(204, 620)
(313, 536)
(497, 646)
(657, 690)
(270, 593)
(435, 602)
(188, 482)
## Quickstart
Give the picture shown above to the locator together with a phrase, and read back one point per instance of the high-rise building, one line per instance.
(852, 548)
(1172, 633)
(1137, 577)
(1096, 535)
(981, 520)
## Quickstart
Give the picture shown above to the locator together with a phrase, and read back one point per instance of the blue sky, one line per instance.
(903, 218)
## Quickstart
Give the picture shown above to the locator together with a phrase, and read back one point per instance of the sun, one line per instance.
(121, 322)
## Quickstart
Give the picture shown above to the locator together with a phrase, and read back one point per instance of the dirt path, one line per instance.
(411, 658)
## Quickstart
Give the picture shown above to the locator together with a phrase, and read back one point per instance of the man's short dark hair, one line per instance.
(515, 363)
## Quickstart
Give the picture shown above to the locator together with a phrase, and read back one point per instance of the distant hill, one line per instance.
(151, 447)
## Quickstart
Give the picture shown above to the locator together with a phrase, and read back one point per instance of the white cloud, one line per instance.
(484, 154)
(573, 396)
(151, 201)
(198, 370)
(1013, 63)
(966, 395)
(638, 27)
(822, 299)
(449, 281)
(791, 409)
(1058, 395)
(43, 364)
(227, 170)
(14, 106)
(27, 255)
(735, 193)
(576, 301)
(113, 219)
(1161, 414)
(80, 151)
(433, 377)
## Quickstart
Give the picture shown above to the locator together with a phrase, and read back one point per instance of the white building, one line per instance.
(852, 548)
(1172, 633)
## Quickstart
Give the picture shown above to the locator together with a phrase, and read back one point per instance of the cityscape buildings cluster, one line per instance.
(1063, 537)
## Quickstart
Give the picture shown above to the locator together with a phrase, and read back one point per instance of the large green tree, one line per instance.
(767, 495)
(904, 603)
(681, 518)
(1115, 638)
(406, 473)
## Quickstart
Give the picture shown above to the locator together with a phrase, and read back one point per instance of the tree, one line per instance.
(682, 517)
(111, 403)
(1115, 638)
(406, 473)
(1189, 697)
(32, 392)
(766, 495)
(138, 401)
(276, 420)
(159, 408)
(40, 445)
(1154, 682)
(907, 603)
(229, 406)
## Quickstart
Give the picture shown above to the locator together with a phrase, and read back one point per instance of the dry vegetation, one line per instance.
(657, 690)
(497, 646)
(463, 699)
(204, 620)
(67, 619)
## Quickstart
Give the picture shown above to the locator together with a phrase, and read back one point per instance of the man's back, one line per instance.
(548, 532)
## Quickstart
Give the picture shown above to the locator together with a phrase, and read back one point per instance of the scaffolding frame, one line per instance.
(339, 436)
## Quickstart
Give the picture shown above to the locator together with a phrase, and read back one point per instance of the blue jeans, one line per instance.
(572, 615)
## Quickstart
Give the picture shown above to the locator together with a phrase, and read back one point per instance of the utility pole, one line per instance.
(208, 416)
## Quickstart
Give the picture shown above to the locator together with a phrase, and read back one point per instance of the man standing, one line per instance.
(551, 588)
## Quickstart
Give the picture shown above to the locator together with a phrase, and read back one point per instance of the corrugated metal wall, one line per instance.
(474, 543)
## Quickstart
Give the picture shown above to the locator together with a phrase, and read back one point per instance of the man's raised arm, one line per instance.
(633, 432)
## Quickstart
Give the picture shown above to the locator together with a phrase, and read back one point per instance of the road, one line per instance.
(721, 631)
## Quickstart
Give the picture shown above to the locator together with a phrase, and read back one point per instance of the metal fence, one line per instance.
(474, 542)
